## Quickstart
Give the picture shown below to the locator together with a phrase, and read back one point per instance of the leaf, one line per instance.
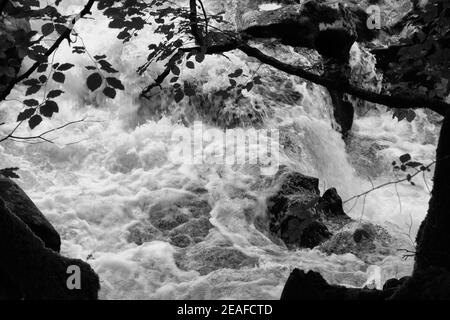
(179, 95)
(42, 68)
(47, 29)
(405, 158)
(94, 81)
(249, 86)
(98, 57)
(60, 28)
(34, 121)
(174, 79)
(115, 83)
(49, 108)
(175, 70)
(414, 164)
(31, 82)
(65, 66)
(54, 93)
(43, 79)
(32, 90)
(199, 57)
(236, 73)
(31, 102)
(190, 65)
(257, 80)
(26, 114)
(59, 77)
(109, 92)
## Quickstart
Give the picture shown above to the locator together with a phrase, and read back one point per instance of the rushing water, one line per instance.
(104, 176)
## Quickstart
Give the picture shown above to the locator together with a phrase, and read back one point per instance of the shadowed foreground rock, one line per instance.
(312, 286)
(34, 271)
(21, 205)
(432, 284)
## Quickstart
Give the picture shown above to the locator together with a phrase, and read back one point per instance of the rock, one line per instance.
(197, 228)
(207, 260)
(343, 111)
(295, 196)
(181, 240)
(303, 233)
(142, 232)
(21, 205)
(298, 215)
(429, 284)
(166, 219)
(331, 31)
(394, 284)
(35, 272)
(312, 286)
(368, 242)
(331, 204)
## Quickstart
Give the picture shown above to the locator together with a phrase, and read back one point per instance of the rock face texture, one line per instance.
(21, 205)
(12, 51)
(30, 265)
(331, 31)
(32, 271)
(298, 215)
(312, 286)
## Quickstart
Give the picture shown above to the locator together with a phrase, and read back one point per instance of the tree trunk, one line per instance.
(433, 238)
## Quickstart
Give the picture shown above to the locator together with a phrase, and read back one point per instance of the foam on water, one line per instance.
(95, 189)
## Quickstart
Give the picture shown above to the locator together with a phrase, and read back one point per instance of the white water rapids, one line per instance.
(101, 177)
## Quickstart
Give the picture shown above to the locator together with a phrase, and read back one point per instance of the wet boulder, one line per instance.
(428, 284)
(21, 205)
(295, 195)
(297, 233)
(328, 29)
(311, 285)
(208, 259)
(370, 243)
(32, 271)
(331, 204)
(298, 215)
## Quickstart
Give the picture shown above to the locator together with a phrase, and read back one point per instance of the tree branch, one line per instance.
(66, 35)
(394, 101)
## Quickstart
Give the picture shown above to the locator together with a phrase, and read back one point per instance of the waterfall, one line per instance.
(102, 180)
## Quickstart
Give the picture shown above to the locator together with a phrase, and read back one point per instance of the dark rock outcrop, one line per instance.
(298, 215)
(312, 286)
(430, 284)
(21, 205)
(32, 271)
(331, 204)
(331, 31)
